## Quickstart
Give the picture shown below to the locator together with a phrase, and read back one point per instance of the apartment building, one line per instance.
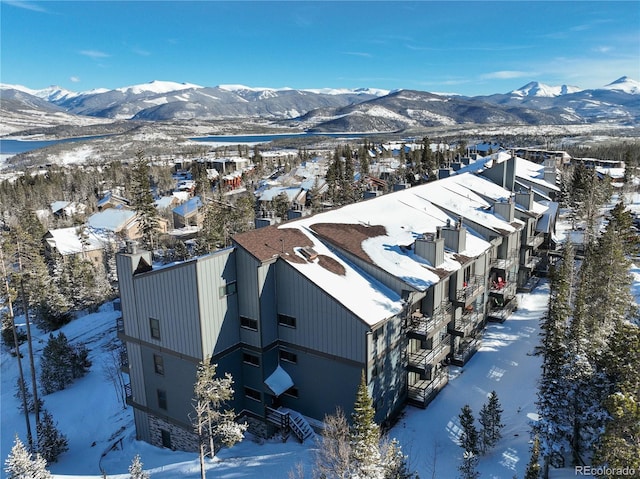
(398, 287)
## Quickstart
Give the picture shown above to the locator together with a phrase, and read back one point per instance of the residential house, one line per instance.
(74, 241)
(189, 213)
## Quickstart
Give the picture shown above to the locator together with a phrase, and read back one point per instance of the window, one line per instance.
(251, 359)
(284, 320)
(249, 323)
(378, 332)
(154, 325)
(228, 289)
(162, 399)
(252, 394)
(158, 364)
(292, 392)
(166, 438)
(288, 356)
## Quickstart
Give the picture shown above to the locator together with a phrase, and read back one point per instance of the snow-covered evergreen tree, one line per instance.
(61, 363)
(21, 465)
(469, 466)
(135, 469)
(490, 418)
(22, 385)
(51, 442)
(142, 200)
(214, 424)
(365, 435)
(469, 439)
(533, 468)
(395, 462)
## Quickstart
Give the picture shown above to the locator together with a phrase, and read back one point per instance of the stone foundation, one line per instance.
(181, 439)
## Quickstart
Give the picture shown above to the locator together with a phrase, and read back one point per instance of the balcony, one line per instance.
(422, 392)
(505, 263)
(535, 241)
(470, 318)
(503, 290)
(128, 394)
(465, 350)
(124, 361)
(531, 262)
(423, 360)
(470, 290)
(120, 326)
(500, 313)
(421, 326)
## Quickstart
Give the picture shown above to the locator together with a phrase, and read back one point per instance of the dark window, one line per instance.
(158, 364)
(249, 323)
(251, 359)
(288, 356)
(284, 320)
(292, 392)
(228, 289)
(154, 325)
(252, 394)
(378, 332)
(166, 438)
(162, 399)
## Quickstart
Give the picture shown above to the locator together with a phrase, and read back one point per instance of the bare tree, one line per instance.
(112, 372)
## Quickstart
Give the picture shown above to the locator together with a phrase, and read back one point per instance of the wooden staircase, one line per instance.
(290, 421)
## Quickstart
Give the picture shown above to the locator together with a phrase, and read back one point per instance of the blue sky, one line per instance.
(472, 48)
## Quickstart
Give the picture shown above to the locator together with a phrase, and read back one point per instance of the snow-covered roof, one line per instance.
(451, 194)
(59, 205)
(67, 240)
(182, 196)
(292, 193)
(188, 207)
(279, 381)
(533, 173)
(111, 219)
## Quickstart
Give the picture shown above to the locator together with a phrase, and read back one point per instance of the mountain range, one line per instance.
(326, 110)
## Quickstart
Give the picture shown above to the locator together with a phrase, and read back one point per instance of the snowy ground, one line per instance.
(89, 414)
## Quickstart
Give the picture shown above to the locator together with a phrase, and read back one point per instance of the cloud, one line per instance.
(505, 75)
(74, 79)
(358, 54)
(602, 49)
(94, 54)
(141, 52)
(25, 5)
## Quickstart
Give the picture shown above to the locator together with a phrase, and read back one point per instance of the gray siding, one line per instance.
(218, 311)
(323, 324)
(171, 296)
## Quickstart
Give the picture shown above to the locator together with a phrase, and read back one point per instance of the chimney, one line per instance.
(525, 199)
(550, 175)
(505, 209)
(455, 237)
(430, 246)
(131, 246)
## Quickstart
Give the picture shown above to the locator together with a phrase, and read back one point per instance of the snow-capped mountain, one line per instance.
(326, 109)
(625, 85)
(542, 90)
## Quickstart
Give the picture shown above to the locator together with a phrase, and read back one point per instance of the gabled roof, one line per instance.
(189, 207)
(111, 219)
(67, 241)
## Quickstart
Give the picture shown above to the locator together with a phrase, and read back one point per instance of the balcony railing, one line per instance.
(423, 359)
(120, 325)
(128, 394)
(532, 262)
(504, 263)
(500, 314)
(422, 326)
(467, 349)
(422, 392)
(536, 241)
(468, 321)
(124, 361)
(470, 289)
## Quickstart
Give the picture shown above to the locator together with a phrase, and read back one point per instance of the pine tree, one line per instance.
(61, 363)
(490, 419)
(395, 462)
(51, 443)
(533, 468)
(365, 434)
(469, 466)
(142, 200)
(135, 469)
(469, 438)
(213, 423)
(20, 464)
(21, 385)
